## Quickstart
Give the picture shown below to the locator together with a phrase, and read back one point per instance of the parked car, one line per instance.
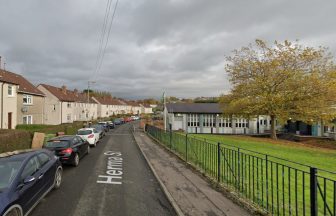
(100, 130)
(135, 118)
(89, 134)
(122, 120)
(105, 125)
(110, 124)
(117, 122)
(127, 119)
(69, 149)
(26, 177)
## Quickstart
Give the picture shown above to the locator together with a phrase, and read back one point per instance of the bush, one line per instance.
(11, 140)
(68, 129)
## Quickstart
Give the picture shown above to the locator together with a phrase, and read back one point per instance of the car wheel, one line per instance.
(88, 150)
(14, 212)
(58, 177)
(76, 160)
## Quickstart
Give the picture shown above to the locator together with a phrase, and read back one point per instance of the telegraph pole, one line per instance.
(88, 101)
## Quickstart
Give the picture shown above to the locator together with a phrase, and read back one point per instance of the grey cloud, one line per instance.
(177, 46)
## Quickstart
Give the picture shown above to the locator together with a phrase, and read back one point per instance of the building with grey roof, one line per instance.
(208, 118)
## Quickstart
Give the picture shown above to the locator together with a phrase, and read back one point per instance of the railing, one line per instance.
(278, 186)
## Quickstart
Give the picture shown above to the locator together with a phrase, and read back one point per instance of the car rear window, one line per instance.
(84, 132)
(58, 143)
(98, 127)
(8, 169)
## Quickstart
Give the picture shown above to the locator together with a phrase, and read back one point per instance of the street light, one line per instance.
(88, 100)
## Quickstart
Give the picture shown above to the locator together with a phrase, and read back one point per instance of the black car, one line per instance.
(100, 129)
(110, 124)
(26, 177)
(69, 149)
(105, 126)
(117, 122)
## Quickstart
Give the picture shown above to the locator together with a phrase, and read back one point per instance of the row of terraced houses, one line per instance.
(23, 103)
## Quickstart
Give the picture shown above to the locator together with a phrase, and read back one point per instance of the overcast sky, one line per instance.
(177, 46)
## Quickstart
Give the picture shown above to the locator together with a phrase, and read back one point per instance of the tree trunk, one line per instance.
(273, 129)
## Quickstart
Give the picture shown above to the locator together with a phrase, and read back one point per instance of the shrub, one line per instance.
(11, 140)
(68, 129)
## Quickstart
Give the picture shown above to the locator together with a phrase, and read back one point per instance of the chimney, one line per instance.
(76, 92)
(64, 89)
(0, 62)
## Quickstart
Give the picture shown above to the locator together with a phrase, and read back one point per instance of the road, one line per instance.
(133, 190)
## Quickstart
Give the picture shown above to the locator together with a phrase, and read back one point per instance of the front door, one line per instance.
(10, 120)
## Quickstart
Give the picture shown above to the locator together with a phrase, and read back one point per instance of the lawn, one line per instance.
(316, 157)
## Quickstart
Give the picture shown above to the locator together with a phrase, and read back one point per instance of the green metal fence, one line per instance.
(278, 186)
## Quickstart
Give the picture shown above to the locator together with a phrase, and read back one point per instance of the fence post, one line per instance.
(313, 192)
(218, 162)
(238, 182)
(186, 148)
(266, 160)
(170, 135)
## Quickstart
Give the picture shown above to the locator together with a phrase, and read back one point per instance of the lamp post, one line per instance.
(88, 100)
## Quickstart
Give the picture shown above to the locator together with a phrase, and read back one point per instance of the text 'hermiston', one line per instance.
(114, 169)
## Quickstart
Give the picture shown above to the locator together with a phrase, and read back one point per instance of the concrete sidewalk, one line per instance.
(191, 193)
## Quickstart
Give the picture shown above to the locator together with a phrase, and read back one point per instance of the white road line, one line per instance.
(118, 134)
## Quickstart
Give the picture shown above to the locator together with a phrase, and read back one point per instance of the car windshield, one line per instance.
(8, 171)
(58, 143)
(84, 132)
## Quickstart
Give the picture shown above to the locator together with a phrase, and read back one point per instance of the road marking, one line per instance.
(118, 134)
(114, 169)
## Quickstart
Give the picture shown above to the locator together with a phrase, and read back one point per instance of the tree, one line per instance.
(100, 93)
(206, 100)
(285, 81)
(150, 101)
(172, 99)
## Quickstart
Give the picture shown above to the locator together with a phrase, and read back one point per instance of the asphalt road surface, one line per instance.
(114, 179)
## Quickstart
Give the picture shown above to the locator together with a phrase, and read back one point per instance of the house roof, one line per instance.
(207, 108)
(24, 85)
(147, 105)
(64, 94)
(123, 102)
(132, 103)
(108, 101)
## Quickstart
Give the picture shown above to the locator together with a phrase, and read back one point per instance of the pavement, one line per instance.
(114, 179)
(192, 194)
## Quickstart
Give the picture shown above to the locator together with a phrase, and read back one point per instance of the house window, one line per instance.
(241, 123)
(10, 90)
(209, 121)
(193, 120)
(54, 107)
(69, 105)
(225, 122)
(69, 117)
(27, 99)
(326, 129)
(28, 119)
